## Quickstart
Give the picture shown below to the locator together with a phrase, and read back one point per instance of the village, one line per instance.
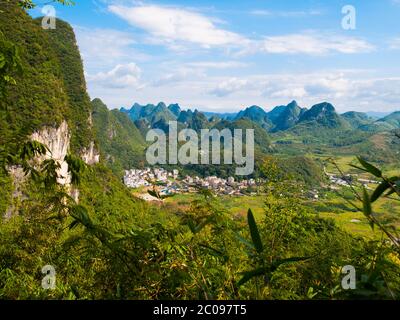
(169, 182)
(346, 180)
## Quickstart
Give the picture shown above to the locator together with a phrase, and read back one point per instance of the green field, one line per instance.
(332, 206)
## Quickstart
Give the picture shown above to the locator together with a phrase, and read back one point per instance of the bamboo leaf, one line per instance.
(367, 209)
(370, 168)
(280, 262)
(379, 191)
(247, 276)
(255, 235)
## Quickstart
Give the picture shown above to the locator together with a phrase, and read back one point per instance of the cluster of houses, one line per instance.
(170, 182)
(220, 185)
(136, 178)
(349, 178)
(341, 181)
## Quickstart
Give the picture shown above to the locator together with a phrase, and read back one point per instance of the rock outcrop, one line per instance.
(90, 155)
(57, 140)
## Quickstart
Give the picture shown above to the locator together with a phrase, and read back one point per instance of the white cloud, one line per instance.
(174, 25)
(121, 76)
(395, 43)
(177, 28)
(359, 90)
(312, 43)
(293, 93)
(229, 86)
(181, 74)
(217, 65)
(286, 14)
(173, 72)
(210, 82)
(103, 43)
(102, 49)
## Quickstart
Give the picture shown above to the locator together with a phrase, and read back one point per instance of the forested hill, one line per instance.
(122, 145)
(50, 87)
(79, 110)
(47, 101)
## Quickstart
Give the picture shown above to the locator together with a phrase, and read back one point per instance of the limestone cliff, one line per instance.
(57, 140)
(90, 155)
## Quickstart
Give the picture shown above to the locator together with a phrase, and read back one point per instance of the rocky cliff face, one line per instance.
(57, 141)
(90, 155)
(18, 180)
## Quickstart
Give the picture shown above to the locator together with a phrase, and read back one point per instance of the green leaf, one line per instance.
(154, 194)
(367, 209)
(379, 191)
(357, 167)
(280, 262)
(192, 226)
(247, 276)
(244, 241)
(370, 168)
(255, 235)
(73, 224)
(80, 214)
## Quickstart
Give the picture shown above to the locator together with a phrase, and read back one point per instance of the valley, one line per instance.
(79, 194)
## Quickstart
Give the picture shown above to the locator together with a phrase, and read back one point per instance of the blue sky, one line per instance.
(226, 55)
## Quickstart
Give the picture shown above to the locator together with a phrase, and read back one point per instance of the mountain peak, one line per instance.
(285, 117)
(256, 114)
(161, 105)
(255, 108)
(324, 107)
(175, 109)
(293, 104)
(324, 114)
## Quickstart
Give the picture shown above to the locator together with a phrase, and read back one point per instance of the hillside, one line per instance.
(357, 119)
(49, 102)
(392, 120)
(287, 130)
(151, 113)
(63, 41)
(257, 115)
(323, 114)
(39, 98)
(121, 143)
(286, 117)
(51, 87)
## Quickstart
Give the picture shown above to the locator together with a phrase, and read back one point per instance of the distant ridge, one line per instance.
(280, 118)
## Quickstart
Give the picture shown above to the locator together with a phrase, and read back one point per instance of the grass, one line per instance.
(332, 206)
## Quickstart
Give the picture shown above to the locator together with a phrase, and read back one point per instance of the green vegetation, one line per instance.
(38, 98)
(106, 244)
(63, 41)
(121, 142)
(51, 87)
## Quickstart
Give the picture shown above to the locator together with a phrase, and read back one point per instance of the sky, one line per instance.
(225, 55)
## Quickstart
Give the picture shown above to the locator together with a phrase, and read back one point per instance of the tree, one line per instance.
(10, 63)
